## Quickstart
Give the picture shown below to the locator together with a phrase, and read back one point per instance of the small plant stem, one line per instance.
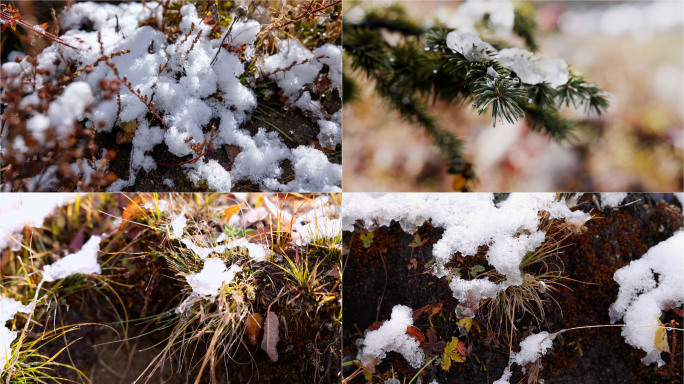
(422, 369)
(377, 312)
(230, 28)
(32, 305)
(310, 12)
(274, 127)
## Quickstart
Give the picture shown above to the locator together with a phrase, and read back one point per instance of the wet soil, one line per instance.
(389, 272)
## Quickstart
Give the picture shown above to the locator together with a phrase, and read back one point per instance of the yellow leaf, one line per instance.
(451, 352)
(661, 339)
(466, 322)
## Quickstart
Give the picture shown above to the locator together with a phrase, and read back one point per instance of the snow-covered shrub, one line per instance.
(156, 76)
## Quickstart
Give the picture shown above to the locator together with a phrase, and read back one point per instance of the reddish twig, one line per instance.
(303, 15)
(13, 18)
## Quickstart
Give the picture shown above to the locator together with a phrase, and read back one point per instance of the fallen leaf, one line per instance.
(375, 325)
(661, 339)
(452, 353)
(435, 309)
(431, 335)
(271, 338)
(254, 327)
(416, 314)
(335, 272)
(415, 333)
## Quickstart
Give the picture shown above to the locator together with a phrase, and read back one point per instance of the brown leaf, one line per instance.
(335, 272)
(419, 311)
(271, 337)
(254, 327)
(431, 335)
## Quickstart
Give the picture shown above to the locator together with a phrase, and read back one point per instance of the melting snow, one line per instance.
(469, 45)
(533, 70)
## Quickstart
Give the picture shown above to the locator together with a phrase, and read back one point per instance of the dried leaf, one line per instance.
(415, 333)
(435, 309)
(416, 314)
(431, 335)
(271, 338)
(661, 339)
(254, 327)
(334, 272)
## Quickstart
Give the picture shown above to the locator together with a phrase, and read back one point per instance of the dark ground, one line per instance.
(586, 356)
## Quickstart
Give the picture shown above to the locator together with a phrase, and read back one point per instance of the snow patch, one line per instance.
(646, 286)
(83, 262)
(212, 277)
(392, 336)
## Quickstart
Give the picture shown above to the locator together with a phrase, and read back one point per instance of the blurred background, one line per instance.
(633, 50)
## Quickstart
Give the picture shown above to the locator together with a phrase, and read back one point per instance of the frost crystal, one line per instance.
(646, 286)
(212, 277)
(392, 336)
(83, 261)
(533, 70)
(469, 45)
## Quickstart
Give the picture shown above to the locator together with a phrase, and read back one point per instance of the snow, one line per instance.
(392, 336)
(211, 172)
(184, 92)
(533, 347)
(83, 262)
(292, 67)
(469, 45)
(646, 286)
(313, 172)
(26, 209)
(470, 220)
(178, 224)
(8, 308)
(611, 200)
(69, 107)
(212, 277)
(533, 70)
